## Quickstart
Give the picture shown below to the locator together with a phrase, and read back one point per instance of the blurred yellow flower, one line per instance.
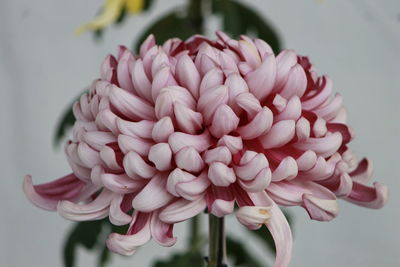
(111, 11)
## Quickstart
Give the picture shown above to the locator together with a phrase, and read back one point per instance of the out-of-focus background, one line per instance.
(43, 66)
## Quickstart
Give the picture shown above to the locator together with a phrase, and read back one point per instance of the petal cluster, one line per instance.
(207, 124)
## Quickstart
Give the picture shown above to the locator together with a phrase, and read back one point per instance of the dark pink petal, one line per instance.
(370, 197)
(47, 196)
(362, 174)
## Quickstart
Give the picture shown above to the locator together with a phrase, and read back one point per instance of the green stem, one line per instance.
(194, 233)
(196, 16)
(217, 246)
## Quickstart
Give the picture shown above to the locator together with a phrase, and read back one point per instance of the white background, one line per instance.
(43, 66)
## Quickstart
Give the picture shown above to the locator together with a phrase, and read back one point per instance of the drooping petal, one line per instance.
(162, 232)
(95, 210)
(370, 197)
(278, 227)
(139, 233)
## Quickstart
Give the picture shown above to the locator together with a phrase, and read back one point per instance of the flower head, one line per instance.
(199, 124)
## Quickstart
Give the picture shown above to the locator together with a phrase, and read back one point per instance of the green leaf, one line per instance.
(90, 235)
(147, 4)
(239, 254)
(190, 258)
(265, 236)
(169, 26)
(66, 122)
(240, 19)
(83, 233)
(121, 17)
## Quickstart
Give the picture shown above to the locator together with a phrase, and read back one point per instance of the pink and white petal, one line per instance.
(262, 80)
(162, 232)
(223, 122)
(161, 155)
(237, 85)
(187, 75)
(233, 143)
(130, 105)
(251, 164)
(286, 170)
(259, 125)
(292, 110)
(259, 183)
(182, 209)
(117, 216)
(324, 146)
(163, 78)
(284, 61)
(303, 129)
(121, 183)
(98, 140)
(188, 120)
(306, 161)
(154, 190)
(179, 140)
(278, 227)
(192, 189)
(109, 157)
(249, 103)
(108, 120)
(134, 166)
(212, 79)
(220, 154)
(320, 209)
(139, 233)
(253, 217)
(94, 210)
(296, 83)
(220, 174)
(88, 156)
(210, 100)
(139, 145)
(141, 128)
(175, 177)
(146, 45)
(162, 130)
(189, 159)
(279, 135)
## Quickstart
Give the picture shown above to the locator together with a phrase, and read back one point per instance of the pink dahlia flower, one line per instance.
(203, 124)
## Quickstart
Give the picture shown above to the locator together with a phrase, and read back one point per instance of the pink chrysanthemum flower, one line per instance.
(199, 124)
